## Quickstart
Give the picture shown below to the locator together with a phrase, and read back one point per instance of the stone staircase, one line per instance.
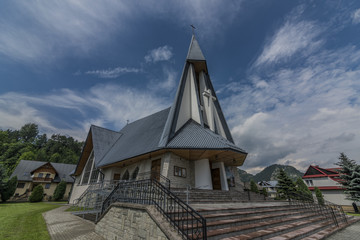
(272, 220)
(197, 196)
(234, 215)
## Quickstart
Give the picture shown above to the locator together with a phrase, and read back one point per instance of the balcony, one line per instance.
(41, 179)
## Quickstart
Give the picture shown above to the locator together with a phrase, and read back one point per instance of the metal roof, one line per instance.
(195, 52)
(25, 167)
(103, 139)
(193, 136)
(139, 137)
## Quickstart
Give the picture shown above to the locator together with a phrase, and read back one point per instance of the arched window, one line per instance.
(135, 173)
(126, 175)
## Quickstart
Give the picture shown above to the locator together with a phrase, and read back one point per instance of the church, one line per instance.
(188, 143)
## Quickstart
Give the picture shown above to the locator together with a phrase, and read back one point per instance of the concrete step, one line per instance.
(265, 228)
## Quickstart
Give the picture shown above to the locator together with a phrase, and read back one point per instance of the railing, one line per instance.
(188, 223)
(154, 175)
(327, 209)
(42, 179)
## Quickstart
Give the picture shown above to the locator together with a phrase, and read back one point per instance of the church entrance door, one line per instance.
(155, 169)
(215, 177)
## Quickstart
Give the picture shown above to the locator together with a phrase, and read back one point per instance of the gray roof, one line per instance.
(195, 52)
(25, 167)
(137, 138)
(193, 136)
(102, 139)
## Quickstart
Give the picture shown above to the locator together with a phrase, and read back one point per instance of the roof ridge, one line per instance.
(137, 120)
(92, 125)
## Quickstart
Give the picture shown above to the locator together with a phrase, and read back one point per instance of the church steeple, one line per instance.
(195, 99)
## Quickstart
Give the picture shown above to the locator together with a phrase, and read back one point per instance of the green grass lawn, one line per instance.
(354, 214)
(24, 221)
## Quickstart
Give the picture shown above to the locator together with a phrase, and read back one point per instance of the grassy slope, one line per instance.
(24, 220)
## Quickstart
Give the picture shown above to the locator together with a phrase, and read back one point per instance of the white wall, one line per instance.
(77, 191)
(336, 196)
(224, 185)
(203, 174)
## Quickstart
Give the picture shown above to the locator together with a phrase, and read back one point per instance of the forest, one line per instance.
(27, 144)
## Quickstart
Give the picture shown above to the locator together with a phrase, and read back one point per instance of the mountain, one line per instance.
(244, 176)
(270, 173)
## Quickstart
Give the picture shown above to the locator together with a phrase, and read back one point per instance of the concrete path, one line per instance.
(350, 233)
(65, 226)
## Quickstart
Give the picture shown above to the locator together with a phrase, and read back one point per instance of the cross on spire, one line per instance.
(193, 29)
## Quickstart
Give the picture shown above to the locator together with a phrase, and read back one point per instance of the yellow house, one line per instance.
(49, 175)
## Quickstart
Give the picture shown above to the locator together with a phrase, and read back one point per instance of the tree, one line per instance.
(27, 156)
(353, 190)
(302, 189)
(319, 196)
(348, 174)
(37, 194)
(29, 131)
(2, 179)
(264, 192)
(253, 187)
(285, 186)
(9, 189)
(60, 191)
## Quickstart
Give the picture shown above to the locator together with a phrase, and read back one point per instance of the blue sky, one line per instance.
(287, 73)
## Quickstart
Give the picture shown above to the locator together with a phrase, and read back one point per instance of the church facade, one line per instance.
(189, 143)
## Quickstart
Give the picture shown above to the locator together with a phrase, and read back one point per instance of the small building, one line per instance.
(49, 175)
(328, 182)
(270, 186)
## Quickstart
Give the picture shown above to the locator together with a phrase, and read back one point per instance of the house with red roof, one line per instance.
(329, 183)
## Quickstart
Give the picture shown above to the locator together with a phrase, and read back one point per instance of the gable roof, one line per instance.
(99, 140)
(137, 138)
(316, 172)
(193, 135)
(25, 167)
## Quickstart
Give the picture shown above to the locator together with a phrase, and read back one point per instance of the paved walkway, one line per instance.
(350, 233)
(65, 226)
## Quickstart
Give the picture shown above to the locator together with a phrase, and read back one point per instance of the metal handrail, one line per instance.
(154, 175)
(328, 209)
(189, 223)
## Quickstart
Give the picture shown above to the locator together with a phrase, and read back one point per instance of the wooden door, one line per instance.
(215, 177)
(116, 177)
(155, 169)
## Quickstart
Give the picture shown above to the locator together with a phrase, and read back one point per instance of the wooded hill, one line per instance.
(270, 173)
(28, 144)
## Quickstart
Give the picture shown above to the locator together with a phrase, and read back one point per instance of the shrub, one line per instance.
(253, 187)
(37, 194)
(264, 192)
(60, 191)
(319, 196)
(9, 189)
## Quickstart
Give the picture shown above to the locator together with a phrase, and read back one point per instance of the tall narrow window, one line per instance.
(87, 169)
(135, 173)
(126, 175)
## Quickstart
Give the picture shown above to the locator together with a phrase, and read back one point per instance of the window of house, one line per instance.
(40, 175)
(309, 182)
(20, 185)
(47, 186)
(135, 173)
(47, 175)
(179, 171)
(126, 175)
(87, 169)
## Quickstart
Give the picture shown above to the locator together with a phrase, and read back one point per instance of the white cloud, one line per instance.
(163, 53)
(114, 72)
(356, 16)
(299, 115)
(293, 37)
(45, 30)
(107, 105)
